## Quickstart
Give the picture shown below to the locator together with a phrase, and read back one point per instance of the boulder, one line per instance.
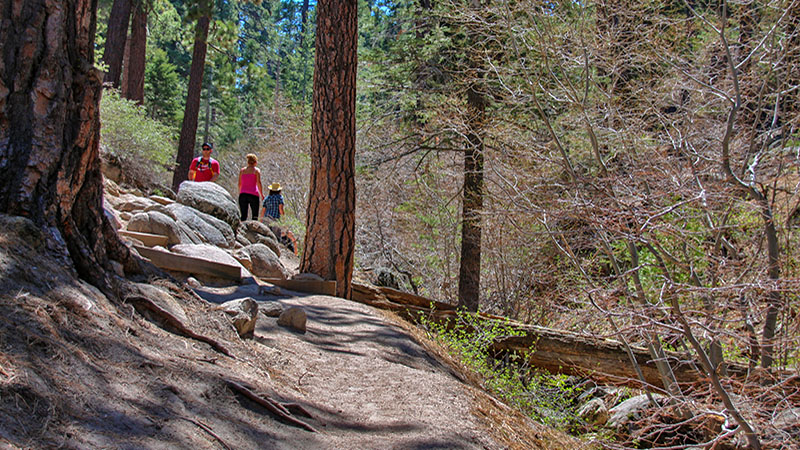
(264, 262)
(254, 232)
(154, 222)
(243, 313)
(131, 203)
(210, 229)
(294, 318)
(210, 198)
(162, 209)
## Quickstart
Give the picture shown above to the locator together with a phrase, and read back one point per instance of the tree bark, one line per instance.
(330, 217)
(116, 36)
(192, 108)
(49, 130)
(469, 274)
(138, 51)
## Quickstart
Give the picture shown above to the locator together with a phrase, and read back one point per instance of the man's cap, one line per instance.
(274, 187)
(207, 144)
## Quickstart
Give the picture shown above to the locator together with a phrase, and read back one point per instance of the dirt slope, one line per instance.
(80, 370)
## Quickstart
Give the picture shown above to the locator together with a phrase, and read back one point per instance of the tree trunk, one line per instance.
(116, 36)
(49, 130)
(469, 274)
(192, 109)
(330, 217)
(138, 50)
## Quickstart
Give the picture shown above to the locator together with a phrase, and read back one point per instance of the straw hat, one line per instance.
(275, 187)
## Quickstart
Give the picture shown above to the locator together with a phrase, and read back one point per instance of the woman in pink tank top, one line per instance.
(250, 189)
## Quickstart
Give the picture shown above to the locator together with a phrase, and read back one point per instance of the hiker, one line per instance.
(250, 189)
(204, 168)
(273, 203)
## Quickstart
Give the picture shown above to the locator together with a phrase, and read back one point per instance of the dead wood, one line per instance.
(557, 351)
(174, 322)
(278, 409)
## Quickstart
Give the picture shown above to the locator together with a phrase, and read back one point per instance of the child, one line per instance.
(273, 203)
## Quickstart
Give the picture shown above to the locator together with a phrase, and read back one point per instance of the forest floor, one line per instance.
(81, 370)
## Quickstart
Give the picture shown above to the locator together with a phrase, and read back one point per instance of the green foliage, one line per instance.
(162, 87)
(130, 135)
(468, 337)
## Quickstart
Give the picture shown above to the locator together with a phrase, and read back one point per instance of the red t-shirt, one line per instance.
(204, 170)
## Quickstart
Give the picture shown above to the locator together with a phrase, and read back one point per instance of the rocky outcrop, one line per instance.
(253, 232)
(155, 222)
(210, 229)
(210, 198)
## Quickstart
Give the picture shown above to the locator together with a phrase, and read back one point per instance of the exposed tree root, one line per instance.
(176, 323)
(281, 410)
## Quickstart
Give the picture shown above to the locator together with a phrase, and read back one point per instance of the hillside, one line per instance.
(81, 370)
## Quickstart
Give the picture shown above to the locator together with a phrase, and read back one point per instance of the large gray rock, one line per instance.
(210, 198)
(243, 313)
(154, 222)
(208, 227)
(254, 232)
(132, 203)
(263, 261)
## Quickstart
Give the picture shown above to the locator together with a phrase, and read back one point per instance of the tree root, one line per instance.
(176, 323)
(282, 410)
(208, 430)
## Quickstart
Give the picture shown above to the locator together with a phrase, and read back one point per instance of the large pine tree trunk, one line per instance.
(138, 50)
(116, 36)
(49, 129)
(330, 218)
(192, 108)
(469, 274)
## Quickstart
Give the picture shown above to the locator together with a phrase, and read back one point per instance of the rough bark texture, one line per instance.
(136, 61)
(116, 36)
(49, 129)
(192, 108)
(330, 217)
(469, 274)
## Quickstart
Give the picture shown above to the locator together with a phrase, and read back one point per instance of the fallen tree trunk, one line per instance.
(556, 351)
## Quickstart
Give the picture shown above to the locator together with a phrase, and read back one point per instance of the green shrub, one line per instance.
(546, 397)
(143, 146)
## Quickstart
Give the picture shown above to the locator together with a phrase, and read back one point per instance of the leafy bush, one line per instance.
(546, 397)
(142, 146)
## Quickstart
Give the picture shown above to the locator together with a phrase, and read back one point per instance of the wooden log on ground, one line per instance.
(557, 351)
(310, 286)
(190, 264)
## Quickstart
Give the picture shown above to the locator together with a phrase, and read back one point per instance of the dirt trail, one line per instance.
(366, 380)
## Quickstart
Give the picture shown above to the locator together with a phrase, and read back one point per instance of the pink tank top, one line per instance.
(249, 184)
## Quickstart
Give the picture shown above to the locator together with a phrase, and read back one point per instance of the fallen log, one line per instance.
(556, 351)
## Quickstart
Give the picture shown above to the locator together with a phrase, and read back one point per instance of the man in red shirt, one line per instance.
(204, 168)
